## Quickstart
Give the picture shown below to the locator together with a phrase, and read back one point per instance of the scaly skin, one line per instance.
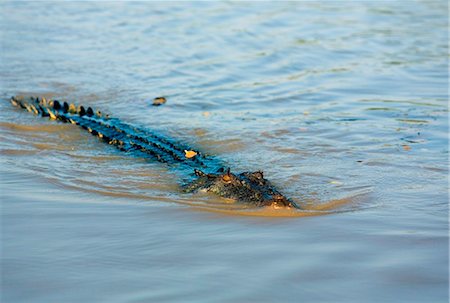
(205, 173)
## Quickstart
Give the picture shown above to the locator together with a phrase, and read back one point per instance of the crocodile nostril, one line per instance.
(280, 201)
(278, 198)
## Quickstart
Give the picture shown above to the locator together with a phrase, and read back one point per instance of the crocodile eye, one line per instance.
(226, 178)
(258, 175)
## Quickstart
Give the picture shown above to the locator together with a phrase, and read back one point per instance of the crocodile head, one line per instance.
(246, 187)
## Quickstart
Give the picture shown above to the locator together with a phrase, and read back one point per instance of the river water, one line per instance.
(343, 105)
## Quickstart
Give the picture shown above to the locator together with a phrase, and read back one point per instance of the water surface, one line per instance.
(344, 107)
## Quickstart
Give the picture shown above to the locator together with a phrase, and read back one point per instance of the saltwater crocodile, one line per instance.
(204, 173)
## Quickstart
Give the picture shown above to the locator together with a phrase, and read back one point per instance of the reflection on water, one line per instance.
(343, 107)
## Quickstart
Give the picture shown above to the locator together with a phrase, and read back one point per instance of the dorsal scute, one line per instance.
(81, 111)
(56, 105)
(42, 101)
(65, 107)
(72, 108)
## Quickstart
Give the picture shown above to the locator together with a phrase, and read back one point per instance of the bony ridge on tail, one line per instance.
(207, 173)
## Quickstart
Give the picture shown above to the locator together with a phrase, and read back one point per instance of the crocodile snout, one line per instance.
(280, 201)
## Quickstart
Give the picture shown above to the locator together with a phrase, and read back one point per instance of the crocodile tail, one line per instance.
(53, 109)
(34, 105)
(70, 113)
(38, 106)
(112, 131)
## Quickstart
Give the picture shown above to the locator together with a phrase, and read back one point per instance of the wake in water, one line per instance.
(206, 174)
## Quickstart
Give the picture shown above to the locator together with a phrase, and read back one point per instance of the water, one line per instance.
(344, 107)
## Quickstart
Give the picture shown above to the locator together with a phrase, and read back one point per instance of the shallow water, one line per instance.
(344, 107)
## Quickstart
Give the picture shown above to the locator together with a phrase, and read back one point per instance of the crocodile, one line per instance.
(204, 173)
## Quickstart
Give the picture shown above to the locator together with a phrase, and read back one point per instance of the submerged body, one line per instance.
(204, 173)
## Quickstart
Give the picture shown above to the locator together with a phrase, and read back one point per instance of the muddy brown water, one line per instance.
(344, 107)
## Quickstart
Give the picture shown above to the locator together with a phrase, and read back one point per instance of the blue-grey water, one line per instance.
(344, 105)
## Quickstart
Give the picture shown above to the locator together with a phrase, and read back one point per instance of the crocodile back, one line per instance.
(125, 137)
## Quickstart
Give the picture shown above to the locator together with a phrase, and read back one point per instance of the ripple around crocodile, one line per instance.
(205, 173)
